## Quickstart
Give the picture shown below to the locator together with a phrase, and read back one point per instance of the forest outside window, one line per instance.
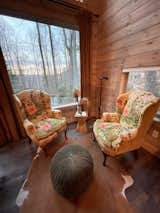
(41, 56)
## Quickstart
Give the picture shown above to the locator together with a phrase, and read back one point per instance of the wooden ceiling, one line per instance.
(94, 6)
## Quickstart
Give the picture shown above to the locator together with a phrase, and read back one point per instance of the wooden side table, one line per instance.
(57, 113)
(81, 124)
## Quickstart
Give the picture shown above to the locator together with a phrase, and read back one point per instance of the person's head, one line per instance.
(71, 171)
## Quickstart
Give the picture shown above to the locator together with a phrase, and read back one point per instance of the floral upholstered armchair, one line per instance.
(125, 130)
(41, 124)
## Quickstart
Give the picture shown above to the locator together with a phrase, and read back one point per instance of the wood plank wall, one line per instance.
(43, 11)
(94, 6)
(128, 35)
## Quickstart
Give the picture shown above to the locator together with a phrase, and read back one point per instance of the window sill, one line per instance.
(66, 106)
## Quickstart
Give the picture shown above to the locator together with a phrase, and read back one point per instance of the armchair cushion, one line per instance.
(48, 126)
(110, 117)
(28, 125)
(111, 134)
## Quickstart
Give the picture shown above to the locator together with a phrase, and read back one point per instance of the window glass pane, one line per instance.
(41, 56)
(147, 80)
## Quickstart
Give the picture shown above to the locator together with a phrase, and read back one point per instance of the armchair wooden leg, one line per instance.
(29, 140)
(45, 152)
(135, 153)
(94, 138)
(105, 158)
(65, 133)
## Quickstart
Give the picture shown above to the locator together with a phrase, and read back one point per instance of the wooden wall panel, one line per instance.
(128, 35)
(42, 11)
(136, 10)
(93, 6)
(93, 69)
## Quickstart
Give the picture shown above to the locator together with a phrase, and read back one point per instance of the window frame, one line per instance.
(125, 76)
(126, 71)
(52, 22)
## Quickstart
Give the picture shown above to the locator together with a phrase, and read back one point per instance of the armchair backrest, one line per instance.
(121, 102)
(147, 119)
(32, 103)
(136, 108)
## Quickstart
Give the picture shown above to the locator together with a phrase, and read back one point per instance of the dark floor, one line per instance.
(15, 160)
(144, 195)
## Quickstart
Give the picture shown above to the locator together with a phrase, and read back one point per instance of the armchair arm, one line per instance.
(29, 126)
(56, 113)
(110, 117)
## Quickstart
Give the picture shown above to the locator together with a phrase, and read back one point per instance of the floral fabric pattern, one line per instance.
(37, 117)
(121, 102)
(34, 103)
(107, 132)
(111, 134)
(135, 107)
(46, 127)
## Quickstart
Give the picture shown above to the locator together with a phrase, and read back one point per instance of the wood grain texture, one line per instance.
(8, 125)
(93, 6)
(46, 12)
(128, 36)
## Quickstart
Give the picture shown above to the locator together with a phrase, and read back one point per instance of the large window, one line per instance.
(147, 79)
(41, 56)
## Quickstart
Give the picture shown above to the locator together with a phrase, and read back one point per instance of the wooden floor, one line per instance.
(143, 195)
(15, 160)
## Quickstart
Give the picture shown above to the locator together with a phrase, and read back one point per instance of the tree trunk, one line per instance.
(18, 63)
(36, 65)
(53, 58)
(41, 53)
(75, 80)
(71, 48)
(68, 48)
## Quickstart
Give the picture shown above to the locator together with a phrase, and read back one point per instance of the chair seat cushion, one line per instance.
(48, 126)
(111, 134)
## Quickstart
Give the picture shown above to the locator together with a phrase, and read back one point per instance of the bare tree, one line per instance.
(40, 56)
(41, 52)
(5, 43)
(36, 83)
(70, 44)
(53, 57)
